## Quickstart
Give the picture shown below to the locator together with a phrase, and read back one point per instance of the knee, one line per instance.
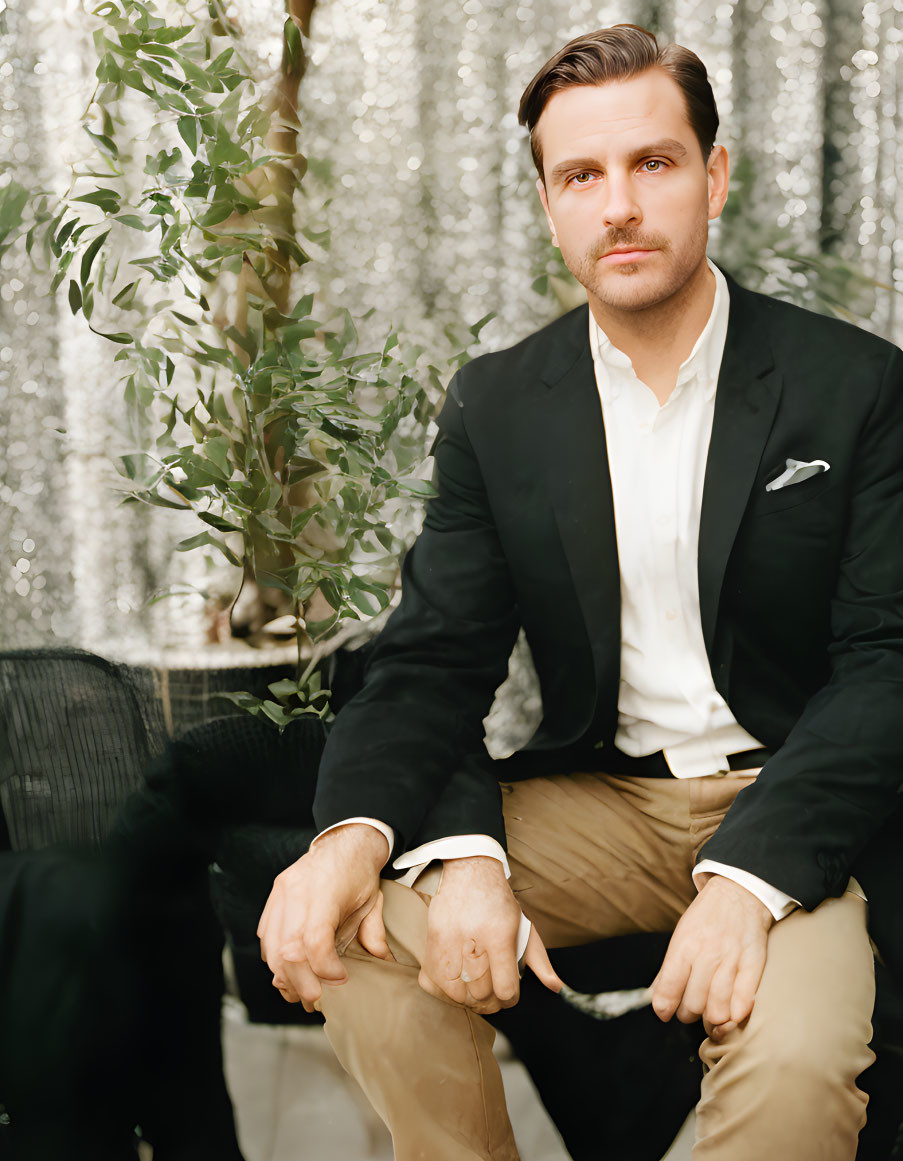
(797, 1055)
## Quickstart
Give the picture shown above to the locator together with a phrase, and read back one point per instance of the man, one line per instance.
(690, 498)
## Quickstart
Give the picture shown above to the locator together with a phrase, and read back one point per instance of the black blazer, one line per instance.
(801, 595)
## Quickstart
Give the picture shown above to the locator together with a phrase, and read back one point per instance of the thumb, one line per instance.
(371, 934)
(536, 958)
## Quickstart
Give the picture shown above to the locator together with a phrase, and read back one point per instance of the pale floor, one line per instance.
(294, 1102)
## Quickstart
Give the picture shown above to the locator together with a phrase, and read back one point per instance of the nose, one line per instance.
(620, 206)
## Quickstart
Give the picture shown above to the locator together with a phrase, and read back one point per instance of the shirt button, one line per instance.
(671, 614)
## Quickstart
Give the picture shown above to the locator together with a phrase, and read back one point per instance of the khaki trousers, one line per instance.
(593, 856)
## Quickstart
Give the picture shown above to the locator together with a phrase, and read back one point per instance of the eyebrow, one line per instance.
(668, 145)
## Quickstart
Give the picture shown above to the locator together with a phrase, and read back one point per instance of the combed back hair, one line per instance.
(615, 54)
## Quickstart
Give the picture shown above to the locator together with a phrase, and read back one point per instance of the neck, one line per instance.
(659, 338)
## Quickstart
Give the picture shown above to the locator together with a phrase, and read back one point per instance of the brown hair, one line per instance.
(617, 53)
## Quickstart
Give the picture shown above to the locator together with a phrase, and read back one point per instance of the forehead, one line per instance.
(614, 117)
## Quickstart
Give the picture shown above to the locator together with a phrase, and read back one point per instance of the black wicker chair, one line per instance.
(108, 942)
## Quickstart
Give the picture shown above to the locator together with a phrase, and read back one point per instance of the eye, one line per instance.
(653, 165)
(582, 178)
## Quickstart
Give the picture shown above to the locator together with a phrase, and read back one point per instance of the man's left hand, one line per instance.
(715, 959)
(471, 947)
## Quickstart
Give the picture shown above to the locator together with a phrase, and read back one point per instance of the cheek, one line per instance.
(683, 219)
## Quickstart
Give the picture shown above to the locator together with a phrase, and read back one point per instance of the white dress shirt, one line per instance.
(667, 699)
(656, 456)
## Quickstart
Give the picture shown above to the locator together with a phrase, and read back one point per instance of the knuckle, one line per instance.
(292, 952)
(664, 994)
(320, 943)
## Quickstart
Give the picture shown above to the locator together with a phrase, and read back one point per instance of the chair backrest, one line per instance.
(72, 746)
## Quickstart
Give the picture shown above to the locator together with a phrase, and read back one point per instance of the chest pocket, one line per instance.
(764, 503)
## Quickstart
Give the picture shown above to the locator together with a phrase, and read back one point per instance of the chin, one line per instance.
(638, 295)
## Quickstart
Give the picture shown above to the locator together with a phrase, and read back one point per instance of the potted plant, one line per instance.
(293, 447)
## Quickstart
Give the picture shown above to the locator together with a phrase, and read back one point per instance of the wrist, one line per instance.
(357, 840)
(472, 867)
(716, 883)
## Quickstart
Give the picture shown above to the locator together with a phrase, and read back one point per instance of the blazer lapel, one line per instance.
(581, 498)
(749, 389)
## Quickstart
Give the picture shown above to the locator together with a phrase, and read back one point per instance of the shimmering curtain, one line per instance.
(434, 221)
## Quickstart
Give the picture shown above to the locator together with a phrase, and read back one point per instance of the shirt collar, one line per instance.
(704, 361)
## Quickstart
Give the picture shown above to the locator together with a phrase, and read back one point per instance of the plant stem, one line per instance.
(299, 632)
(315, 658)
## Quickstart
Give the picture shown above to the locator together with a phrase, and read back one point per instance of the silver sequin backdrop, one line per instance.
(434, 220)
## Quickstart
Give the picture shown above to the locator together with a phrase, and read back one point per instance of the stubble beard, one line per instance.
(641, 285)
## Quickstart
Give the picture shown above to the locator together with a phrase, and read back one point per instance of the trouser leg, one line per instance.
(426, 1066)
(784, 1084)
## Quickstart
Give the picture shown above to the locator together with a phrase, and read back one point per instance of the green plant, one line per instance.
(292, 447)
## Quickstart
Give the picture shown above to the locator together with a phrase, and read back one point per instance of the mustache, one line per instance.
(629, 238)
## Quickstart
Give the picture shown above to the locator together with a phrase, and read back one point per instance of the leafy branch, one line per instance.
(294, 449)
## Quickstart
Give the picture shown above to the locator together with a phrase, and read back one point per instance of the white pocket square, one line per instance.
(796, 472)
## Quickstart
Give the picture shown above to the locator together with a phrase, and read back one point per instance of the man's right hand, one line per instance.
(318, 905)
(471, 949)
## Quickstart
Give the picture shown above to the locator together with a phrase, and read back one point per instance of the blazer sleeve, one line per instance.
(833, 783)
(435, 666)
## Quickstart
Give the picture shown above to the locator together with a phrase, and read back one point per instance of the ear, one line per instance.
(718, 170)
(543, 197)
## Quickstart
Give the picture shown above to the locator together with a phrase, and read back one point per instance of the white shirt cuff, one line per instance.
(386, 831)
(779, 904)
(458, 846)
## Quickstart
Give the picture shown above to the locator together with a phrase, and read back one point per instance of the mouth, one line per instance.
(620, 255)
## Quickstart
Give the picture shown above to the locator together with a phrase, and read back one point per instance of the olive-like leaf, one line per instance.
(188, 131)
(90, 254)
(75, 296)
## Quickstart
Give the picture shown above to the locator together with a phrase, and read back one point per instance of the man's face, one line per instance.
(627, 193)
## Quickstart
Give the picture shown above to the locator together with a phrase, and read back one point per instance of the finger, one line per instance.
(450, 991)
(485, 1007)
(479, 989)
(450, 954)
(298, 982)
(476, 973)
(319, 945)
(371, 934)
(264, 919)
(746, 983)
(670, 984)
(456, 992)
(717, 1009)
(443, 958)
(719, 1031)
(537, 960)
(270, 921)
(696, 992)
(285, 989)
(501, 964)
(473, 964)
